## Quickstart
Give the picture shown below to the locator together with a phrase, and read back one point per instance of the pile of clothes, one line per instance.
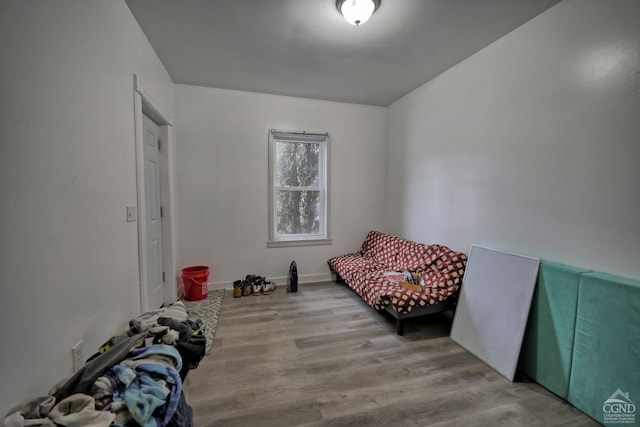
(135, 379)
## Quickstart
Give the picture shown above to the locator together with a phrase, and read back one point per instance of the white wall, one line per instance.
(69, 259)
(530, 145)
(222, 185)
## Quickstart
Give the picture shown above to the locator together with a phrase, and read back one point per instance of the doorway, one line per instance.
(155, 177)
(153, 213)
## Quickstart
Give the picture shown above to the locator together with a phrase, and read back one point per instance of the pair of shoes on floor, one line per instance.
(259, 285)
(242, 288)
(252, 284)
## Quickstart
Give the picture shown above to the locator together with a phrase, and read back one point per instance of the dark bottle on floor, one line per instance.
(293, 277)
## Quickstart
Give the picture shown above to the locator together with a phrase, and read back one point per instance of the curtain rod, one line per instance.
(304, 133)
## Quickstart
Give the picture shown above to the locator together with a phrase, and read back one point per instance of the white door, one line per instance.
(155, 285)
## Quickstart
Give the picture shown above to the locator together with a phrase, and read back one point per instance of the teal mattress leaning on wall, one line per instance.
(606, 356)
(547, 348)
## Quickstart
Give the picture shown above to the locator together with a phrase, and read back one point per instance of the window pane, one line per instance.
(297, 164)
(298, 212)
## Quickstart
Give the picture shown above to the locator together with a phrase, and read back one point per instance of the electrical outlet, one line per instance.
(77, 356)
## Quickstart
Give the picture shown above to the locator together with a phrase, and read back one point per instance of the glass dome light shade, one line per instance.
(357, 12)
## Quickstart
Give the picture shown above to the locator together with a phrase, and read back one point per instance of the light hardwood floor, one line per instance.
(321, 357)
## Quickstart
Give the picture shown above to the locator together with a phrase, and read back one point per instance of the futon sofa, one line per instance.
(437, 268)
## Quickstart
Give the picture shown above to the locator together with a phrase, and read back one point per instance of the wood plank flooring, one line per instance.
(322, 357)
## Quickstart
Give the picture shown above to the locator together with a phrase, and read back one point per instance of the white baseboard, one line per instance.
(280, 281)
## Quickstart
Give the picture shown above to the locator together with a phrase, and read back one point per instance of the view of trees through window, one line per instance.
(297, 182)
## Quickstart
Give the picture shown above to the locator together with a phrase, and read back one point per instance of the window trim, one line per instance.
(324, 238)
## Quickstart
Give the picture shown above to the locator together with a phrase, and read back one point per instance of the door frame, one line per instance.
(144, 104)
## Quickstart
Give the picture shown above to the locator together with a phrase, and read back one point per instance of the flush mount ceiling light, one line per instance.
(357, 12)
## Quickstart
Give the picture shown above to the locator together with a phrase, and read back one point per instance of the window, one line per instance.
(298, 199)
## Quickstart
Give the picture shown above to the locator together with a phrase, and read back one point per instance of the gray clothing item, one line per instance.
(145, 321)
(32, 413)
(83, 380)
(78, 410)
(101, 390)
(163, 333)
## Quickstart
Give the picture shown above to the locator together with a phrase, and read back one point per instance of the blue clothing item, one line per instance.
(124, 374)
(172, 380)
(140, 394)
(150, 390)
(183, 416)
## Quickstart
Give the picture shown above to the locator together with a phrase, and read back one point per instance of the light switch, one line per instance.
(132, 213)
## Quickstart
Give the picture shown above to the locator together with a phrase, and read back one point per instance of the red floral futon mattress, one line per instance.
(439, 268)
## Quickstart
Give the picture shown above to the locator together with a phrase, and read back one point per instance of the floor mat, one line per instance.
(209, 310)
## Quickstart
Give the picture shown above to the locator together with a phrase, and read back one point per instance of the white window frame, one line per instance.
(323, 237)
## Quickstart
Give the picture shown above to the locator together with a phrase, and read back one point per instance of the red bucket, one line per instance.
(196, 282)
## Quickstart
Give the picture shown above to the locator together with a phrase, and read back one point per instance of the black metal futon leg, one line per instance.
(400, 327)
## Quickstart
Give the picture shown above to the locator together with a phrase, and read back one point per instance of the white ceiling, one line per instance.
(305, 48)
